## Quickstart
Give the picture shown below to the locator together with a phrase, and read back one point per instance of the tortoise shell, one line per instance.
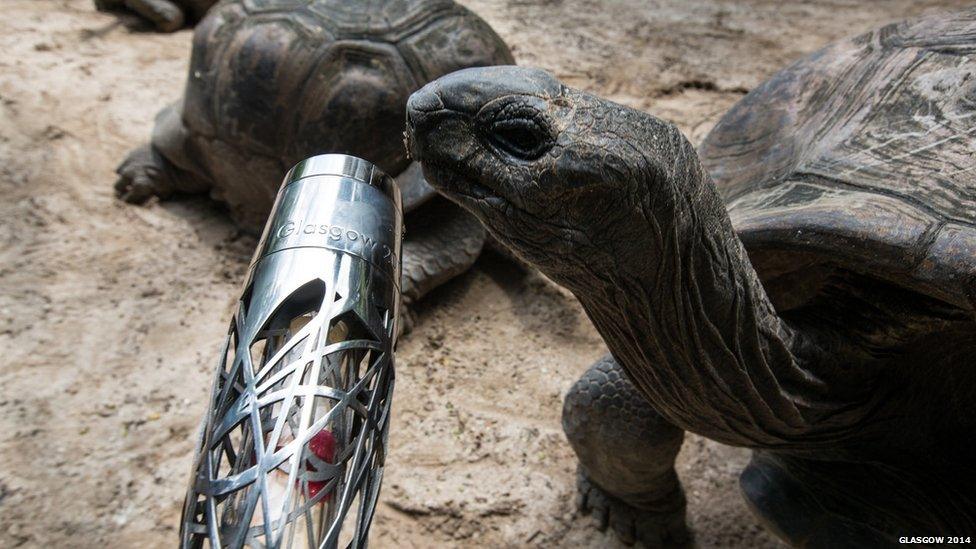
(860, 157)
(272, 82)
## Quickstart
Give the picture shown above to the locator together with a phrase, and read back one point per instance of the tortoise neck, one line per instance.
(692, 325)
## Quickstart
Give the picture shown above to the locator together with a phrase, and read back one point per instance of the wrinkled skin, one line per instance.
(165, 15)
(615, 205)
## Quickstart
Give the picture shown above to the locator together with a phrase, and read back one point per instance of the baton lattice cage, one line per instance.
(292, 451)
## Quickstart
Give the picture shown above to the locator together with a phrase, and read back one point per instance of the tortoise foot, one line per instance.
(142, 175)
(659, 525)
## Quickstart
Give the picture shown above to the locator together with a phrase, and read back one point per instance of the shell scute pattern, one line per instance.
(354, 72)
(268, 75)
(861, 155)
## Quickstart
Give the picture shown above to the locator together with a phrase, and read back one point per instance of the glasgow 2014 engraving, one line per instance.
(302, 233)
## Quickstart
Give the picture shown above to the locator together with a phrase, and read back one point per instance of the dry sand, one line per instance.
(111, 315)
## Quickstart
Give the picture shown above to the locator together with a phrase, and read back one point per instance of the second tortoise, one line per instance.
(273, 83)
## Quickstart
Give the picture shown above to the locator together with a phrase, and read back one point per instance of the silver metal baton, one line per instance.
(292, 448)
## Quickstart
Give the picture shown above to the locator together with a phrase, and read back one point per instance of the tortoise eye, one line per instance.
(520, 136)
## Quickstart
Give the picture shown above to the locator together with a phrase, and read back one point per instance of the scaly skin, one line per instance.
(443, 242)
(615, 205)
(626, 476)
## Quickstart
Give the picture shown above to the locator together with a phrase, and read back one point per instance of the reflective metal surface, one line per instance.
(292, 449)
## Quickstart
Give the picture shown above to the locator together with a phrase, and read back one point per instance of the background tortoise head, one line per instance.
(563, 178)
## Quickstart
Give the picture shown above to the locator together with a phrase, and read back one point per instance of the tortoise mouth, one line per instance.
(454, 181)
(409, 141)
(477, 191)
(418, 122)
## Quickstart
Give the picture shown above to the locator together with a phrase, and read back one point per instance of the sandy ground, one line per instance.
(111, 315)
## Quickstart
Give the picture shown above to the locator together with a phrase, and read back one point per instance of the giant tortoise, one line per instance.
(272, 82)
(804, 284)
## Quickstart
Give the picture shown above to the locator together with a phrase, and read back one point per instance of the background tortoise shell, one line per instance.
(860, 158)
(274, 81)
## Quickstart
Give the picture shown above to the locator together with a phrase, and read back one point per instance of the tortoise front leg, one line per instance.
(162, 167)
(626, 454)
(164, 14)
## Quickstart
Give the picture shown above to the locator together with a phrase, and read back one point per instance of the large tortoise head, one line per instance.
(554, 172)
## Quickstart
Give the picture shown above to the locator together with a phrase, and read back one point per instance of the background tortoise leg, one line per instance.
(164, 14)
(414, 189)
(148, 172)
(626, 452)
(788, 507)
(825, 504)
(441, 242)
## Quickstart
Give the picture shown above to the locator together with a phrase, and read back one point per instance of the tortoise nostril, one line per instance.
(420, 106)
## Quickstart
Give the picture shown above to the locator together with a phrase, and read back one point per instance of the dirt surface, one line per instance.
(111, 315)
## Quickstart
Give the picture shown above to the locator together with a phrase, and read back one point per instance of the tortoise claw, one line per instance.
(141, 177)
(631, 524)
(134, 190)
